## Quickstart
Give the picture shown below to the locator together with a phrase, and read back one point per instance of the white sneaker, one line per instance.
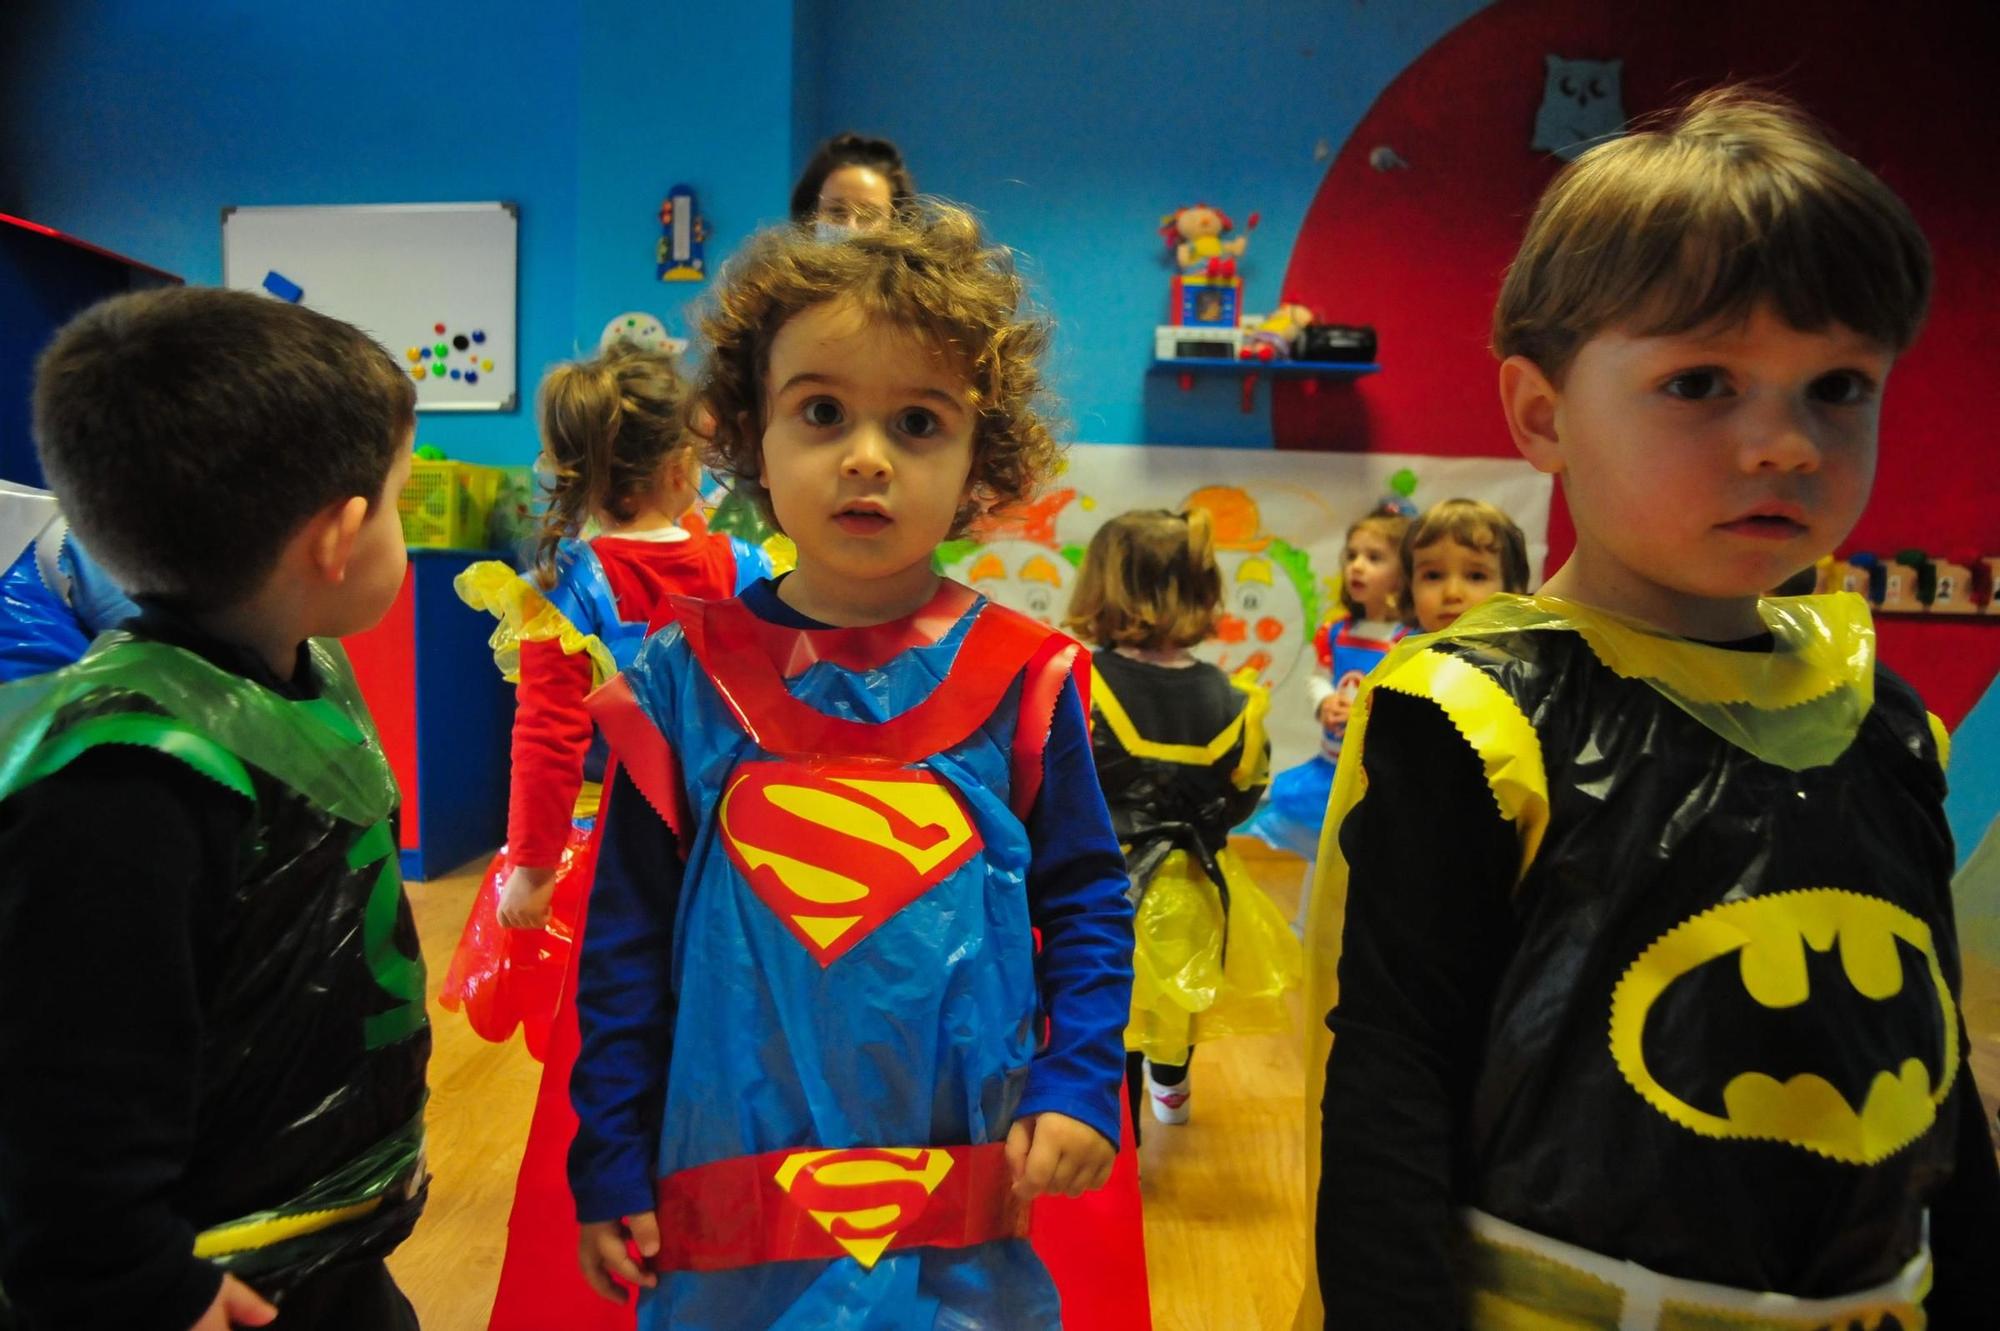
(1170, 1103)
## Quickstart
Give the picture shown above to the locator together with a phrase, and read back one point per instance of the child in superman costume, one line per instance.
(613, 436)
(1647, 1013)
(221, 1108)
(824, 1066)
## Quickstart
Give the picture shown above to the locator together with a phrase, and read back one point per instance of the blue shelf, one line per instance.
(1283, 368)
(1249, 372)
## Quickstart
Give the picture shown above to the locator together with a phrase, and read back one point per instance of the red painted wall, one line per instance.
(1419, 253)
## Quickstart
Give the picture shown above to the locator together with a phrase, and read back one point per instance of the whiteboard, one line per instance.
(432, 282)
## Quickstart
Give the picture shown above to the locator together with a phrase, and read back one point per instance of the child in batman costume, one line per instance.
(1182, 756)
(224, 1108)
(824, 1067)
(1647, 1005)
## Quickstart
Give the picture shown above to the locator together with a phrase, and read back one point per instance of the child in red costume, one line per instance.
(612, 435)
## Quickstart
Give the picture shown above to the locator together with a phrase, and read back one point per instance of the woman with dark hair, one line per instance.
(851, 181)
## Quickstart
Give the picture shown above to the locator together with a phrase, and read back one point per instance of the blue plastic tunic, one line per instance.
(918, 1032)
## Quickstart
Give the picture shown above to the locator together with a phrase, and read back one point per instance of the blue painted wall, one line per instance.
(131, 123)
(134, 123)
(1073, 128)
(700, 94)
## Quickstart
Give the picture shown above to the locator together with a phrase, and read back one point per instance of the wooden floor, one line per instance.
(1224, 1193)
(1224, 1196)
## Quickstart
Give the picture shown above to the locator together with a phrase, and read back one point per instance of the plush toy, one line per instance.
(1195, 236)
(1275, 336)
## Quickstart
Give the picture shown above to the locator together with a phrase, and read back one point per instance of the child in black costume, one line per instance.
(1648, 985)
(1182, 756)
(211, 1004)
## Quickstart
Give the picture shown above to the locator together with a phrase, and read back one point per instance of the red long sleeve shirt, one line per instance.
(551, 729)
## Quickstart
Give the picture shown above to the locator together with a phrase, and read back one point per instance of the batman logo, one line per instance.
(1818, 1018)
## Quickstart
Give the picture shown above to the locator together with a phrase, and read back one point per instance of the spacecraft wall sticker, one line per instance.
(640, 329)
(682, 232)
(443, 354)
(1761, 1019)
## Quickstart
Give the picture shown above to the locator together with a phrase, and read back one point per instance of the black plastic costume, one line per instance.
(1182, 756)
(294, 981)
(1671, 979)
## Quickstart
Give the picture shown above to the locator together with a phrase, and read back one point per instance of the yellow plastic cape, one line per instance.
(1798, 706)
(525, 615)
(1184, 989)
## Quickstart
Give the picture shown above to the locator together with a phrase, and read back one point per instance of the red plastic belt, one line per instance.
(811, 1204)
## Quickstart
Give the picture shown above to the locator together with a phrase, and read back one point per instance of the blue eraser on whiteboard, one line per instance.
(283, 287)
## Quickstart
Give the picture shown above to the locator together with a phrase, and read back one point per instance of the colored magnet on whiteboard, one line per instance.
(461, 341)
(423, 353)
(439, 328)
(478, 335)
(415, 354)
(471, 376)
(283, 287)
(442, 350)
(486, 365)
(417, 373)
(454, 374)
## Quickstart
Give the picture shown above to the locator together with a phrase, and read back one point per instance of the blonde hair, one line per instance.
(1476, 525)
(1150, 581)
(929, 271)
(609, 426)
(1735, 200)
(1390, 527)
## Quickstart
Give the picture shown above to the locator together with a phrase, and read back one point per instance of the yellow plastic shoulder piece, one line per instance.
(1510, 753)
(1253, 768)
(525, 615)
(1104, 701)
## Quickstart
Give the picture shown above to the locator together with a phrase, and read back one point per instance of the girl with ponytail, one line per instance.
(617, 460)
(1182, 756)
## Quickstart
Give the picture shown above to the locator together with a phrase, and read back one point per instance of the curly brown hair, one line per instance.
(931, 272)
(610, 424)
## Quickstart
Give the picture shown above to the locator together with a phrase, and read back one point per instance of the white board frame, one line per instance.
(374, 265)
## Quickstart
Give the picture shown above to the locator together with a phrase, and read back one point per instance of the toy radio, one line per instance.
(1336, 342)
(1195, 342)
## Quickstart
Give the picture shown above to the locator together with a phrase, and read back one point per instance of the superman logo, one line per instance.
(863, 1197)
(834, 851)
(1818, 1018)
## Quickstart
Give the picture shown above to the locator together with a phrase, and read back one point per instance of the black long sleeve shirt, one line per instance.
(118, 867)
(1431, 928)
